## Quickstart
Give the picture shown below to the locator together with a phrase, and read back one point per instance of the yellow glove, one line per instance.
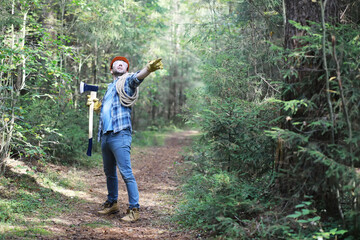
(97, 103)
(154, 65)
(97, 106)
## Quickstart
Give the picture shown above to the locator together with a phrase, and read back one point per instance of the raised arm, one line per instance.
(150, 67)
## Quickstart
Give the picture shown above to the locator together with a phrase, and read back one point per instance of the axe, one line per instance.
(93, 89)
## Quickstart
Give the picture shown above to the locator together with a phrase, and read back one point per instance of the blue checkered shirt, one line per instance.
(120, 115)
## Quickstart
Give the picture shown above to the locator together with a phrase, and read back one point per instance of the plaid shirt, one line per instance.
(120, 115)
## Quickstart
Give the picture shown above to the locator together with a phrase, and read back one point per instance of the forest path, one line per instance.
(155, 171)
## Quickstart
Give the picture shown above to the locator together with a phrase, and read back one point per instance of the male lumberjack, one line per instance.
(115, 132)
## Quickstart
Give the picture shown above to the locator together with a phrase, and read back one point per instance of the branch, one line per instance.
(348, 123)
(322, 5)
(262, 78)
(338, 76)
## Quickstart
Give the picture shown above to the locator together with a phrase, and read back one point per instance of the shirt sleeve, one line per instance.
(133, 81)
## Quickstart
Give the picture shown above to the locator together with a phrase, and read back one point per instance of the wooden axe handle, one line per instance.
(91, 121)
(91, 114)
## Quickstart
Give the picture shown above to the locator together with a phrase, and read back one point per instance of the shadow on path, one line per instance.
(154, 169)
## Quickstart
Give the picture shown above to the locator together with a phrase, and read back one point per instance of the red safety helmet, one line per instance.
(119, 58)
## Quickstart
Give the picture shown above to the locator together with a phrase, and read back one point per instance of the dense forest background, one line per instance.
(274, 87)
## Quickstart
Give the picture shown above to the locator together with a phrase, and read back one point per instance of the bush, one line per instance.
(50, 131)
(217, 203)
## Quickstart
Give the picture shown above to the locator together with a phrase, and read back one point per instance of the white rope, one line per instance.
(125, 99)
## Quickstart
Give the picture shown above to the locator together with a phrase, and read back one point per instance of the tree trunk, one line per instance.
(306, 83)
(22, 76)
(14, 81)
(95, 63)
(8, 96)
(50, 22)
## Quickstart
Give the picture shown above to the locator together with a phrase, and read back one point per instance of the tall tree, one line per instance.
(303, 82)
(309, 161)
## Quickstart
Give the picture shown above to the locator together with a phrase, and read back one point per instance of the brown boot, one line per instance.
(132, 215)
(109, 207)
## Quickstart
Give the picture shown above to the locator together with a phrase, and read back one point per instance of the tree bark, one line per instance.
(7, 123)
(175, 68)
(306, 83)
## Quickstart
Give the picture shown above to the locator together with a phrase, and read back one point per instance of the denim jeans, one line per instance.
(116, 152)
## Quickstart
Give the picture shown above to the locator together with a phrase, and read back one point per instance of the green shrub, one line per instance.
(217, 202)
(148, 138)
(50, 131)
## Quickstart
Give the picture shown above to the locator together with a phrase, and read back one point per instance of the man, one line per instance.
(115, 133)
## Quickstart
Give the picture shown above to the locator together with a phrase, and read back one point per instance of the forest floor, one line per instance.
(156, 170)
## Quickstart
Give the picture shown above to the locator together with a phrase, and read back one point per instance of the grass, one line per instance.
(27, 201)
(148, 138)
(97, 224)
(30, 200)
(25, 233)
(94, 161)
(153, 136)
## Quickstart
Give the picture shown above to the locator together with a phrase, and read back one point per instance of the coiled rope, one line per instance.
(125, 99)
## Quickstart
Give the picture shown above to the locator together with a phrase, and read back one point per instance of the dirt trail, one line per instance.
(154, 169)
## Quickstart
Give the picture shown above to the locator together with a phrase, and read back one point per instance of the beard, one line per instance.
(117, 73)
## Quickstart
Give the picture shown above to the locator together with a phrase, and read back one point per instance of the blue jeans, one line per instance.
(116, 152)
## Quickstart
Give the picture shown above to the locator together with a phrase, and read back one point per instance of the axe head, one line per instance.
(86, 87)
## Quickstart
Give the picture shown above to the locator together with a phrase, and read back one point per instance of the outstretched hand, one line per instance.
(154, 65)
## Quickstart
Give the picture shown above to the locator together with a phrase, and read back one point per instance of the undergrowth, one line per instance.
(29, 201)
(222, 205)
(153, 136)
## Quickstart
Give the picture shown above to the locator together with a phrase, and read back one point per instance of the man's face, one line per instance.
(119, 67)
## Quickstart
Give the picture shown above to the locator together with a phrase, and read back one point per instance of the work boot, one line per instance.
(132, 215)
(109, 207)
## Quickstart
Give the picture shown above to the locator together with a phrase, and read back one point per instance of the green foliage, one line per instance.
(148, 138)
(84, 161)
(216, 202)
(31, 232)
(232, 161)
(28, 199)
(234, 132)
(233, 47)
(319, 167)
(308, 224)
(58, 134)
(52, 46)
(238, 121)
